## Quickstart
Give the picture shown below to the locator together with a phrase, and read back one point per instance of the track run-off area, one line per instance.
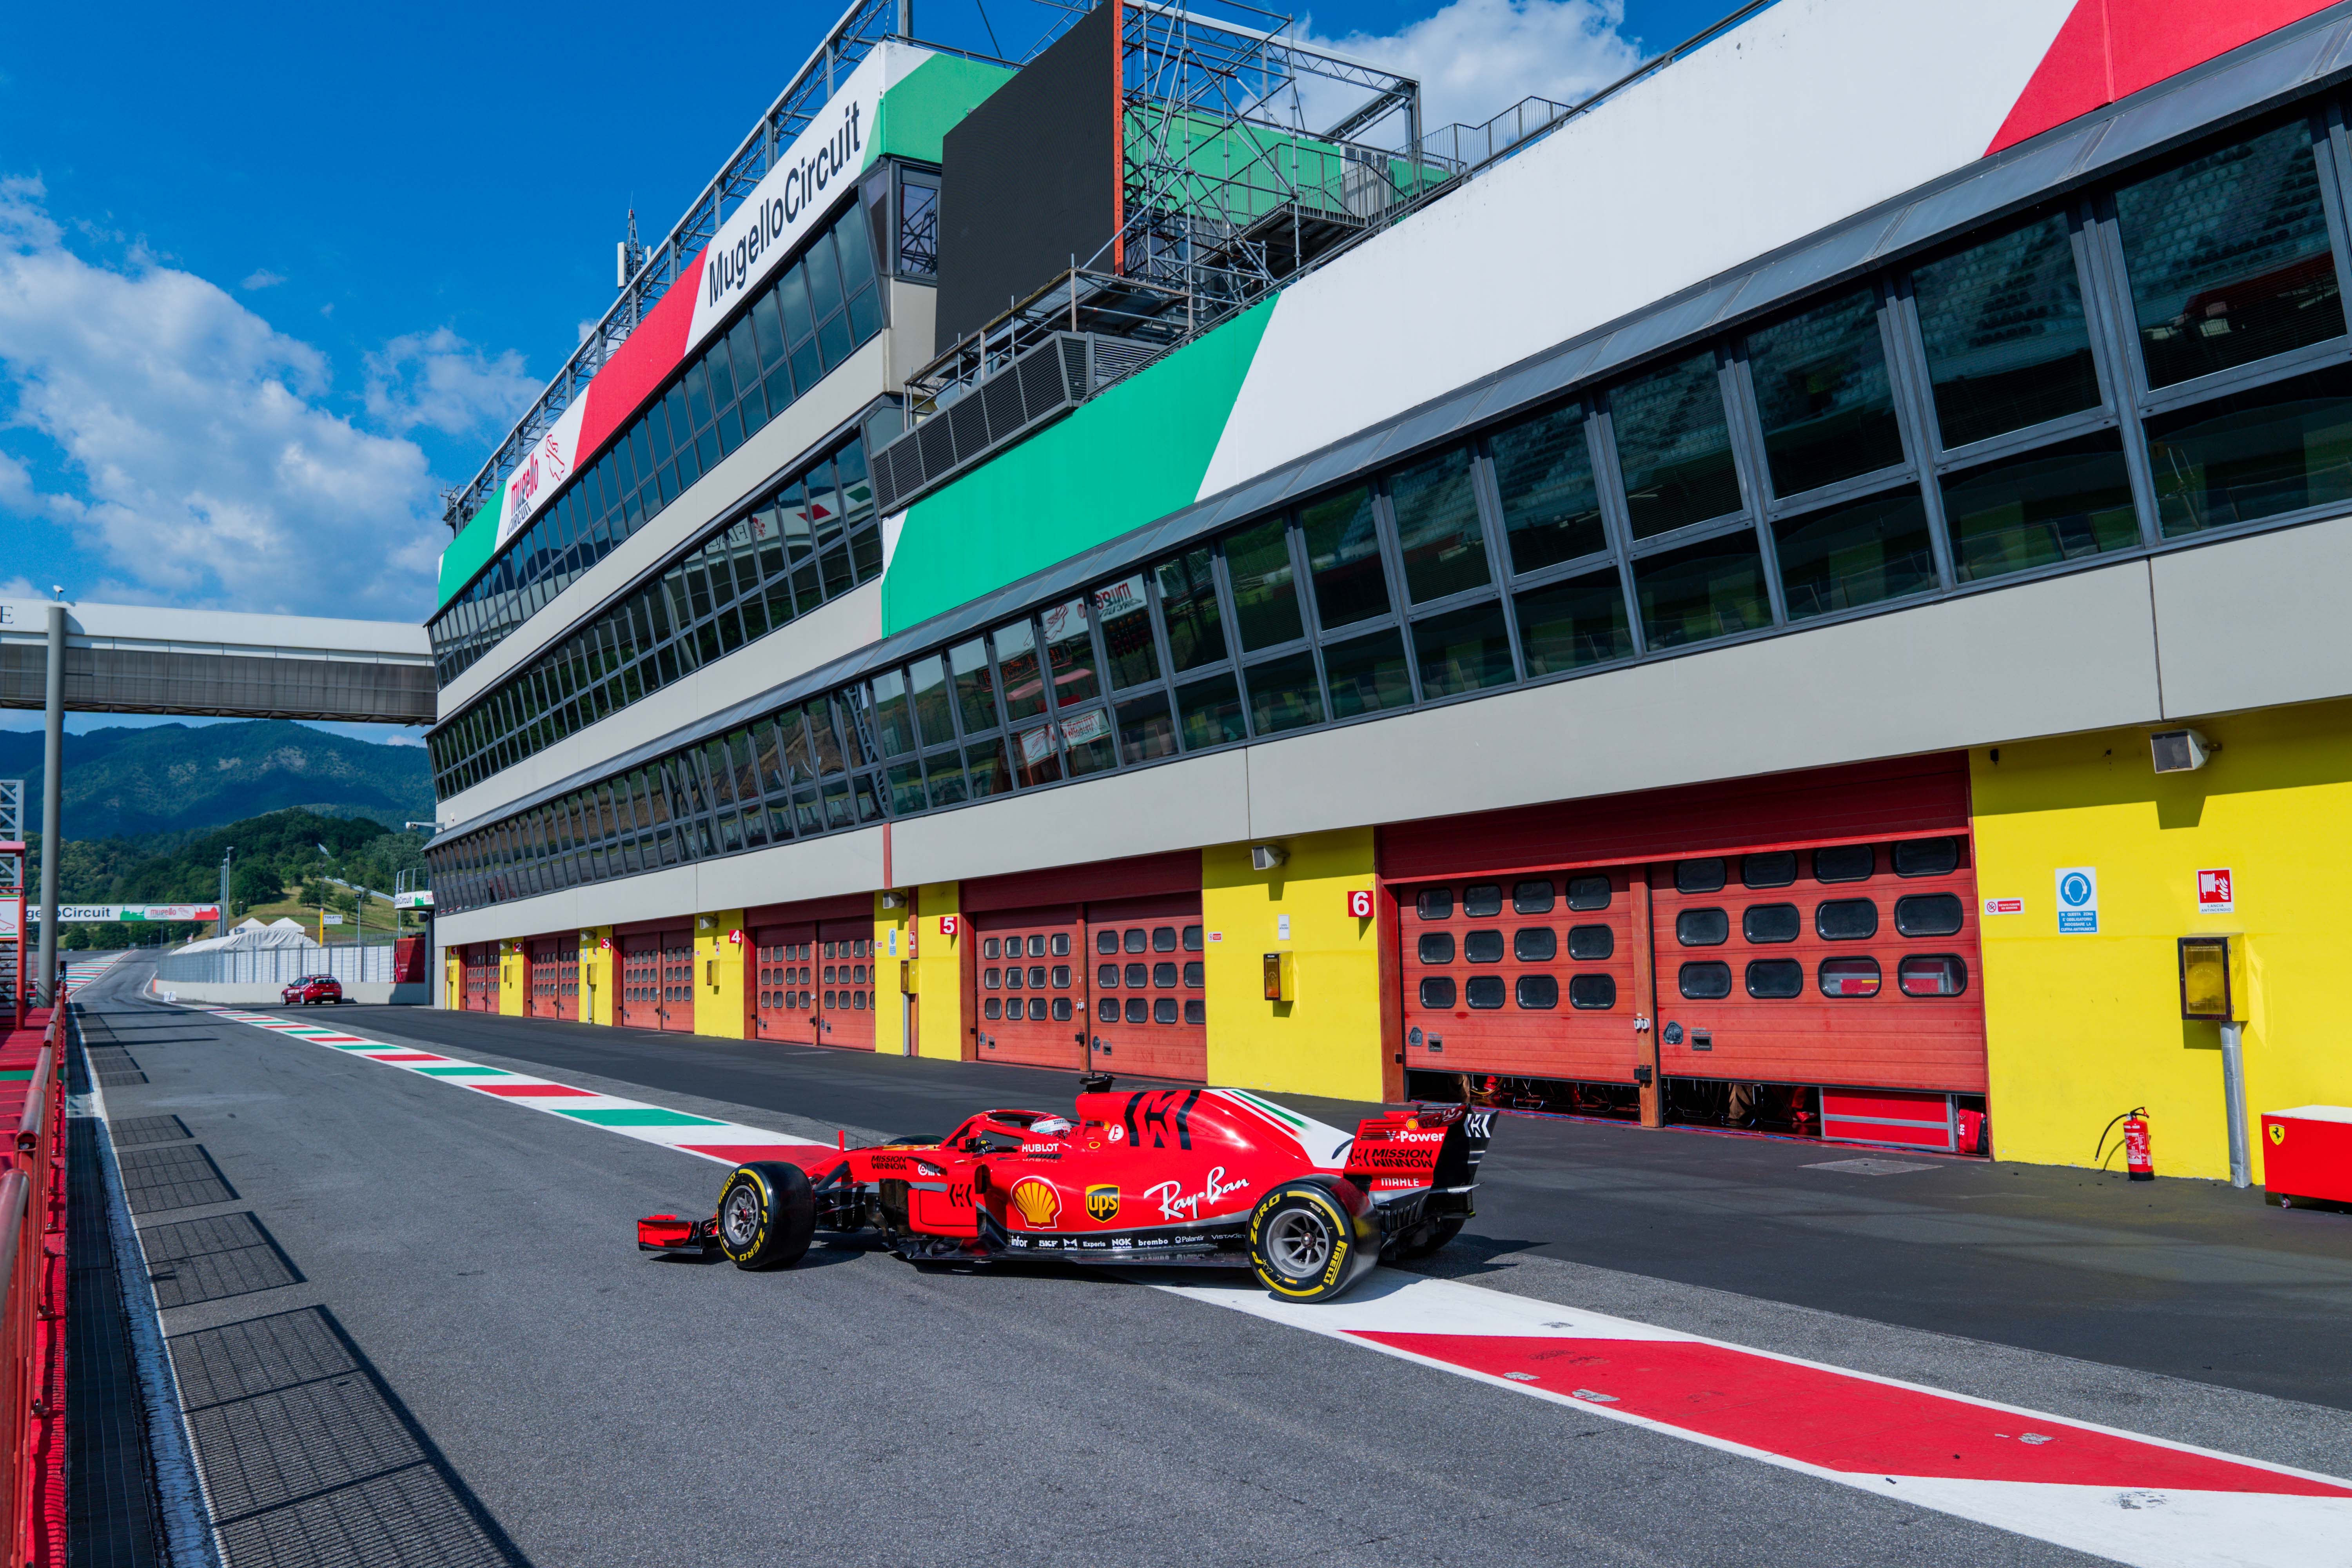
(459, 1227)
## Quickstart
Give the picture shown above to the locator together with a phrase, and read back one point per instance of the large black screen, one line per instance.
(1028, 178)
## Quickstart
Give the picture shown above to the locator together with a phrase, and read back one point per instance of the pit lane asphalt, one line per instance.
(609, 1407)
(2188, 1279)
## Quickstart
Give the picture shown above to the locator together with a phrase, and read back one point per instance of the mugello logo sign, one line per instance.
(780, 212)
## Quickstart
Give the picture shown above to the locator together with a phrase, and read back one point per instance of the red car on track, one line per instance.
(1215, 1177)
(311, 988)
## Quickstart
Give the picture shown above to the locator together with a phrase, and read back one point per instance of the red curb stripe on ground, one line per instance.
(1838, 1422)
(527, 1091)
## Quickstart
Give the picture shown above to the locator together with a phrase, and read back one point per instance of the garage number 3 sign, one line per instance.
(2078, 900)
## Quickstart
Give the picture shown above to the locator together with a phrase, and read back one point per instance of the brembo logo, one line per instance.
(730, 270)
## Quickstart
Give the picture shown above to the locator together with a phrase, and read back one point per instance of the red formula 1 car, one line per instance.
(1216, 1177)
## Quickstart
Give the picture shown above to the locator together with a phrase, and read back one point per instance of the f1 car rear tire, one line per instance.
(1306, 1244)
(767, 1213)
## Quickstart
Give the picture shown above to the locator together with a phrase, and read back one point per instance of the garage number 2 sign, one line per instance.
(2078, 900)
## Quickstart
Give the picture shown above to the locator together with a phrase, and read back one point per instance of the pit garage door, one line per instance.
(554, 978)
(814, 977)
(1090, 967)
(657, 981)
(481, 966)
(1810, 929)
(1032, 987)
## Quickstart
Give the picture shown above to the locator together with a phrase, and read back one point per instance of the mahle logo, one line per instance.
(1102, 1204)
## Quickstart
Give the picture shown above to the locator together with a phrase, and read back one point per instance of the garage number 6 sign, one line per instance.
(1359, 903)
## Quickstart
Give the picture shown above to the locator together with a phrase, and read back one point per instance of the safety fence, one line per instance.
(350, 963)
(32, 1314)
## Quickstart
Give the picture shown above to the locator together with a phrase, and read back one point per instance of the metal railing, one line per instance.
(32, 1212)
(350, 963)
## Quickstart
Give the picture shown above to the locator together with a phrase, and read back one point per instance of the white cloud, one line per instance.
(262, 278)
(441, 381)
(205, 469)
(1474, 58)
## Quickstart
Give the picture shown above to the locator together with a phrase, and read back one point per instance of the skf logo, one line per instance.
(1039, 1204)
(2278, 1132)
(1102, 1204)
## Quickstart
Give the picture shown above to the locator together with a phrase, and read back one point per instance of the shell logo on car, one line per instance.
(1039, 1204)
(1102, 1204)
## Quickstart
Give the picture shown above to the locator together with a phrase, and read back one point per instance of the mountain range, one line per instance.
(170, 778)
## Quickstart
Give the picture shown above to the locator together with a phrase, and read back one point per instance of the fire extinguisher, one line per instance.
(2138, 1160)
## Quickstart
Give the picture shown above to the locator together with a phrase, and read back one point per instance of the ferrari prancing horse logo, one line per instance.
(1102, 1204)
(2278, 1133)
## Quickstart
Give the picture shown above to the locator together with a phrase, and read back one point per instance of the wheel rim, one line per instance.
(739, 1216)
(1300, 1242)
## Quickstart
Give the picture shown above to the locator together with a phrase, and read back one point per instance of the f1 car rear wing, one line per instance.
(1437, 1146)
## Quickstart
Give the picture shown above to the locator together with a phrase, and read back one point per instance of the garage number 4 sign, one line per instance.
(2078, 900)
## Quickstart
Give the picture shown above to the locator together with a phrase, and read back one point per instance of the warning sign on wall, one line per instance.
(2078, 900)
(2216, 892)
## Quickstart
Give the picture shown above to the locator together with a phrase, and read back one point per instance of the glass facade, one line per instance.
(791, 335)
(1953, 424)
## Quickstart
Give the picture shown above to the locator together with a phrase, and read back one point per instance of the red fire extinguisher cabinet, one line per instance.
(2307, 1153)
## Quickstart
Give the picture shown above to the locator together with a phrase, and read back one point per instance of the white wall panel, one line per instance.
(2255, 622)
(1176, 807)
(1811, 112)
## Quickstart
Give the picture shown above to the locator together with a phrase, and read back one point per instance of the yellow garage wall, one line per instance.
(938, 973)
(2081, 1029)
(453, 980)
(599, 973)
(890, 949)
(718, 966)
(514, 979)
(1327, 1041)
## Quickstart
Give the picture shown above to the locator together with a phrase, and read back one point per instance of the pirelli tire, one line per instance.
(767, 1214)
(1310, 1240)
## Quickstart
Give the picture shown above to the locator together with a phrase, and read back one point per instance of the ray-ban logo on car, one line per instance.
(1102, 1204)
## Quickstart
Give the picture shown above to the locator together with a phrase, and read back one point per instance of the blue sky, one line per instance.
(271, 277)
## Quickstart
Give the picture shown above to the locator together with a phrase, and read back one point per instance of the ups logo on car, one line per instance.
(1102, 1204)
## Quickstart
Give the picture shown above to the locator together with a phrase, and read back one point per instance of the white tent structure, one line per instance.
(252, 936)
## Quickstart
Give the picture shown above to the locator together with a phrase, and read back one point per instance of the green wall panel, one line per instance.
(916, 113)
(474, 545)
(1130, 457)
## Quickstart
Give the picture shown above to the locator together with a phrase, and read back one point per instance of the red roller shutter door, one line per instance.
(844, 985)
(784, 1000)
(639, 1003)
(1835, 963)
(1150, 1007)
(1921, 1028)
(567, 980)
(544, 999)
(1031, 987)
(1530, 975)
(482, 961)
(677, 982)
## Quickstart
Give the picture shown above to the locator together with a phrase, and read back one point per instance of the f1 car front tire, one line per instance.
(1305, 1244)
(767, 1213)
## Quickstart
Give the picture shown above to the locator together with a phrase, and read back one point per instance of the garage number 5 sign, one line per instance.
(2078, 900)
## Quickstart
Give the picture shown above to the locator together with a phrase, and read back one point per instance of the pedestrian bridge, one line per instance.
(135, 659)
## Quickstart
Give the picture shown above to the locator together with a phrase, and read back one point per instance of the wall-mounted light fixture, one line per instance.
(2180, 750)
(1266, 856)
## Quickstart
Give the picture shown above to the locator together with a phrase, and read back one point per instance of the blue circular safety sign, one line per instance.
(2076, 889)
